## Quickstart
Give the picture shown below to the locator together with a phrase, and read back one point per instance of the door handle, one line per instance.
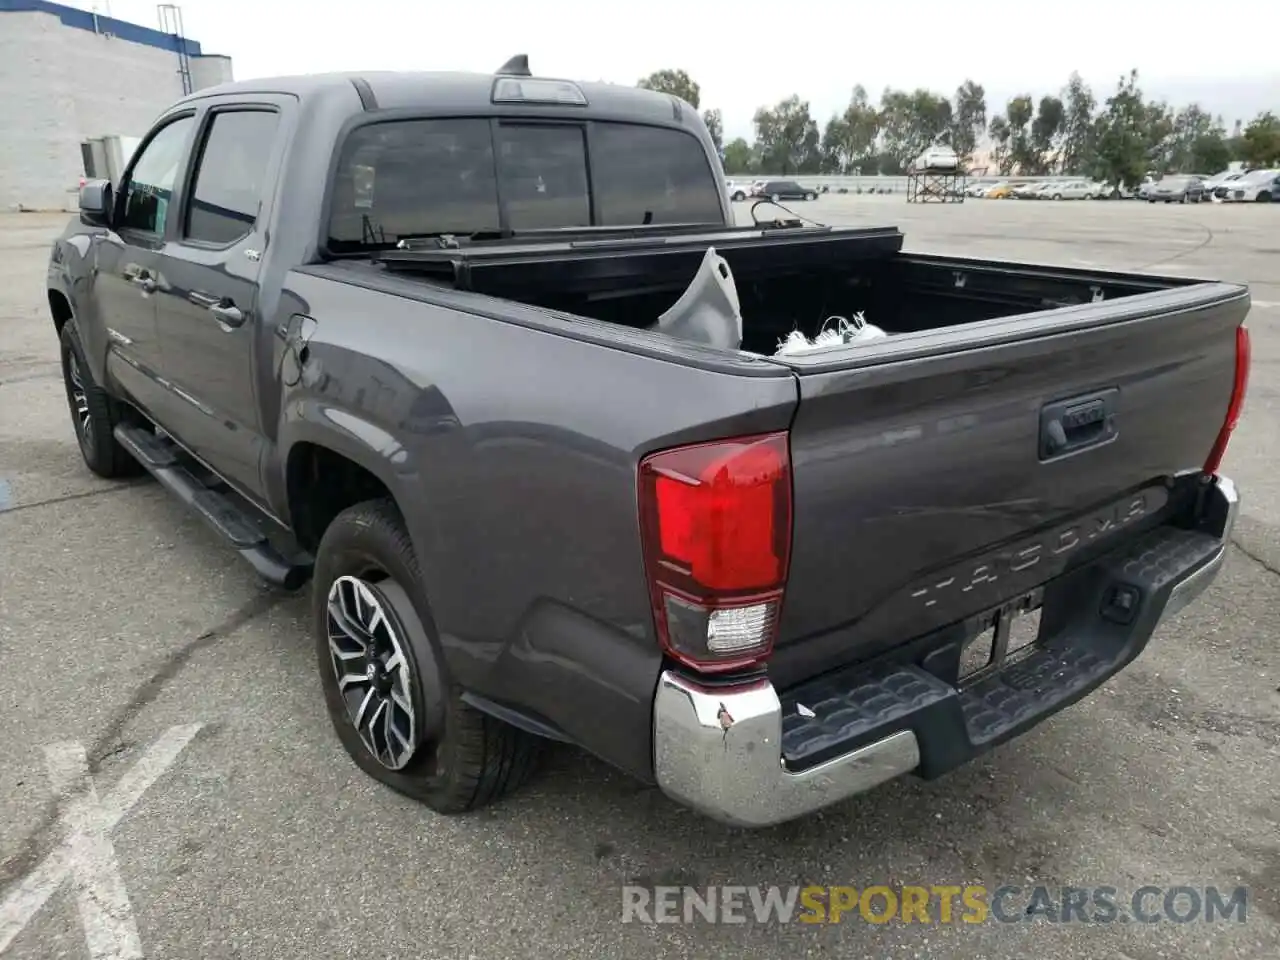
(228, 314)
(223, 309)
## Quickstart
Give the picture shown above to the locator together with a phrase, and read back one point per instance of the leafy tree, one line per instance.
(835, 149)
(1261, 141)
(887, 164)
(968, 118)
(849, 140)
(675, 82)
(1018, 113)
(1191, 133)
(787, 137)
(715, 125)
(1000, 135)
(1123, 134)
(1077, 126)
(1126, 138)
(910, 122)
(1158, 128)
(1044, 134)
(738, 157)
(1210, 153)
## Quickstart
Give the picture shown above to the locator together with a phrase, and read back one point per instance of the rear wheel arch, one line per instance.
(320, 483)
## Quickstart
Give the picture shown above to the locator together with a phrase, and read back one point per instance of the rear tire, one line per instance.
(371, 623)
(775, 198)
(94, 413)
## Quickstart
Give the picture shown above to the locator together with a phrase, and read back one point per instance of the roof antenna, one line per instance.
(517, 66)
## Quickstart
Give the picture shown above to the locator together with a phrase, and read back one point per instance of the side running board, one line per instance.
(164, 460)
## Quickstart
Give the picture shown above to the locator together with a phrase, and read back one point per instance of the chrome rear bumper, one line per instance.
(718, 749)
(720, 752)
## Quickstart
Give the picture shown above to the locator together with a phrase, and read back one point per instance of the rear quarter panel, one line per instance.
(512, 452)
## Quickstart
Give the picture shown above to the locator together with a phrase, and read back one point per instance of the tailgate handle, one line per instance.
(1078, 423)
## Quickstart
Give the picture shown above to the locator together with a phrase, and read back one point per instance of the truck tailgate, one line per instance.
(944, 473)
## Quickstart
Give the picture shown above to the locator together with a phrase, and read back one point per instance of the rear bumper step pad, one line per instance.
(1085, 638)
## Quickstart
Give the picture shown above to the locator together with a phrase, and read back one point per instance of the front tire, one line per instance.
(94, 413)
(385, 684)
(775, 198)
(1264, 197)
(810, 196)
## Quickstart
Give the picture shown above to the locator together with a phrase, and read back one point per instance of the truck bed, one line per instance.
(1020, 420)
(787, 279)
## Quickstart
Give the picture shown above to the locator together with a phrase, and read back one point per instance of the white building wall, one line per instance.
(61, 85)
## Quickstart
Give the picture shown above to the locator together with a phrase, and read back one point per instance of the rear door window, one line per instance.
(543, 176)
(412, 178)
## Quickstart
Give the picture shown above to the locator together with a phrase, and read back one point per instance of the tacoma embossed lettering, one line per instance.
(1063, 541)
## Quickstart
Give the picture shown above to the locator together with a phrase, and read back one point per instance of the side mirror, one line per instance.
(95, 203)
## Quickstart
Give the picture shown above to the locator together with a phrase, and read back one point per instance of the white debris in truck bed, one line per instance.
(844, 330)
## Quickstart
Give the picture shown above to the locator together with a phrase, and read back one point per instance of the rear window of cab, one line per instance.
(412, 178)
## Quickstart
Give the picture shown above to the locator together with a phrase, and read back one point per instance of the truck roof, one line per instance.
(451, 91)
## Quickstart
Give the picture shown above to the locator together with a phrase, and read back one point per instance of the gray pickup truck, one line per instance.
(393, 335)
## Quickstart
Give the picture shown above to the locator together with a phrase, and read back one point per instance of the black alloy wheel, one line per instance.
(94, 413)
(385, 678)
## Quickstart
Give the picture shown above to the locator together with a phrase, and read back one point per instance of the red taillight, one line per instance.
(1238, 391)
(715, 521)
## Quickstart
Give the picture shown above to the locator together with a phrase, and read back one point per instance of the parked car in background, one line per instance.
(1071, 190)
(1027, 191)
(937, 157)
(1222, 179)
(738, 189)
(1256, 186)
(785, 190)
(1182, 189)
(1001, 191)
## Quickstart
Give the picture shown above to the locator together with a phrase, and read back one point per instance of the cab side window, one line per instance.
(231, 176)
(145, 194)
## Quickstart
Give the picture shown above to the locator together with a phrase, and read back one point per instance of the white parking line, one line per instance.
(86, 853)
(1266, 304)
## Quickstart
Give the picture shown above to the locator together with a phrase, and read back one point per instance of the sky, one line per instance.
(820, 52)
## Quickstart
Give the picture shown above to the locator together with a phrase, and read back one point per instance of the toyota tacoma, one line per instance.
(395, 337)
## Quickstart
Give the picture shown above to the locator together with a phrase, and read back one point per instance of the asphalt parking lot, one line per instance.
(123, 618)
